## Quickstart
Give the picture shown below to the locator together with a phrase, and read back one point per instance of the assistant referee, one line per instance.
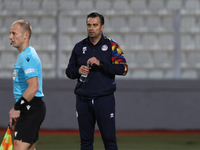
(29, 110)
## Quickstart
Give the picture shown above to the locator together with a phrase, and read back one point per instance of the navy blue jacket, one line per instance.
(100, 81)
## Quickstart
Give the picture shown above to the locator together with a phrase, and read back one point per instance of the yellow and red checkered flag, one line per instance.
(7, 141)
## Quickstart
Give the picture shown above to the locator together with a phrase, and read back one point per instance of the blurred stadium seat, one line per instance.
(118, 24)
(156, 74)
(81, 24)
(103, 6)
(187, 43)
(130, 59)
(31, 7)
(64, 60)
(193, 59)
(162, 59)
(67, 24)
(132, 42)
(85, 6)
(174, 4)
(49, 73)
(165, 42)
(192, 6)
(67, 6)
(155, 6)
(107, 25)
(49, 7)
(48, 60)
(144, 60)
(197, 41)
(137, 23)
(47, 42)
(65, 43)
(7, 23)
(154, 24)
(143, 29)
(48, 24)
(188, 24)
(190, 73)
(149, 42)
(6, 42)
(7, 60)
(121, 7)
(140, 74)
(12, 7)
(35, 43)
(2, 46)
(6, 73)
(138, 6)
(168, 24)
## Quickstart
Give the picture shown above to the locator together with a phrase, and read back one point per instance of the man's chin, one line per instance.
(92, 36)
(15, 46)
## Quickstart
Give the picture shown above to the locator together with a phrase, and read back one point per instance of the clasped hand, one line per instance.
(92, 61)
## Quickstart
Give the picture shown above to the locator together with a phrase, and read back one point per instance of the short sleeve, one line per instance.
(29, 65)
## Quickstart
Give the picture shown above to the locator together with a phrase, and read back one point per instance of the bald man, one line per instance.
(29, 109)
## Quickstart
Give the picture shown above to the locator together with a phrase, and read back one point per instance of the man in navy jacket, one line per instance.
(95, 100)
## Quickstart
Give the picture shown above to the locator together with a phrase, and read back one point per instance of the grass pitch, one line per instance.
(125, 142)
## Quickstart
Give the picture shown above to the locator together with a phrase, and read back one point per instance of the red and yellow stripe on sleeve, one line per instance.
(118, 55)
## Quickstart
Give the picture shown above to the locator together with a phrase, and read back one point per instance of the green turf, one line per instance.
(133, 142)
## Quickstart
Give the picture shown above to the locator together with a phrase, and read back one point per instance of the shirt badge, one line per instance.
(14, 74)
(29, 70)
(104, 48)
(84, 50)
(28, 59)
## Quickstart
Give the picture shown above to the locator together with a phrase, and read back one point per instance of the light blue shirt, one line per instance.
(28, 65)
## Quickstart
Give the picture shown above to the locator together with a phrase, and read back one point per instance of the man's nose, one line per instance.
(91, 27)
(10, 37)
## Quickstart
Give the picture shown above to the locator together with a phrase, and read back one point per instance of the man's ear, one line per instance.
(102, 28)
(26, 35)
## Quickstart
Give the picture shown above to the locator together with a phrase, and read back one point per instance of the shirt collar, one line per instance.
(99, 42)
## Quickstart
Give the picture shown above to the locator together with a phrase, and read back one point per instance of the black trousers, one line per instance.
(102, 111)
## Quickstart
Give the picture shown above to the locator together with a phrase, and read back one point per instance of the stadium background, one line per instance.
(151, 96)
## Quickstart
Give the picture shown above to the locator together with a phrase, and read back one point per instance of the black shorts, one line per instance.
(28, 124)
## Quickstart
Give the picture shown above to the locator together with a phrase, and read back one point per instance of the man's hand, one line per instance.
(93, 61)
(13, 114)
(83, 70)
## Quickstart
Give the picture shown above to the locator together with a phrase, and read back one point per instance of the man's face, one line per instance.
(94, 27)
(16, 35)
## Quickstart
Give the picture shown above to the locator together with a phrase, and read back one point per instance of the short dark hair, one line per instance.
(25, 25)
(94, 15)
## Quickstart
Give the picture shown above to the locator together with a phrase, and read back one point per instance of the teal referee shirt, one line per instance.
(28, 65)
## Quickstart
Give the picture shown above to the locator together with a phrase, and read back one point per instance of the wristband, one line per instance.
(101, 64)
(20, 103)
